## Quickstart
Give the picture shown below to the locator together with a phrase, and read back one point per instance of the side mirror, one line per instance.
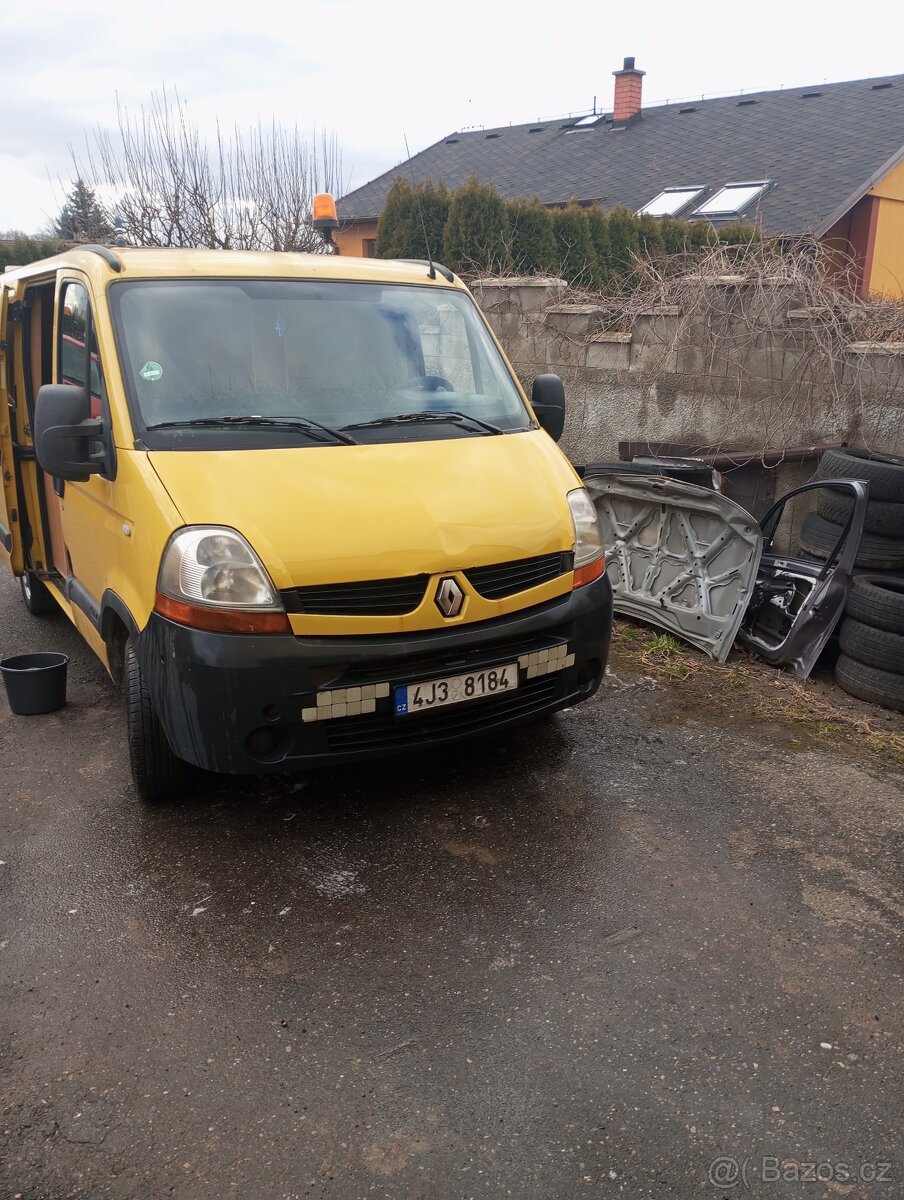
(548, 402)
(69, 443)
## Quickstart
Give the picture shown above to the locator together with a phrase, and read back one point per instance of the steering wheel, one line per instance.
(435, 383)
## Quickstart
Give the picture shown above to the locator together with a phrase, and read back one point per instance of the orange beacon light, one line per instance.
(323, 212)
(324, 218)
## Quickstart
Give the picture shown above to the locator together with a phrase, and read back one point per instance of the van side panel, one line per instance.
(37, 553)
(138, 523)
(91, 634)
(40, 301)
(11, 553)
(107, 535)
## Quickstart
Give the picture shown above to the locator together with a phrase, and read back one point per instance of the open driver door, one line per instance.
(11, 510)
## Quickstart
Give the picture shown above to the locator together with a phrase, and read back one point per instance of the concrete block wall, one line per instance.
(725, 376)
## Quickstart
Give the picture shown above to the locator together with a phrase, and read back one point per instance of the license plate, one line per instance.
(455, 689)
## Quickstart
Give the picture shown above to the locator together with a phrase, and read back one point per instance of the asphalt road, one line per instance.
(588, 959)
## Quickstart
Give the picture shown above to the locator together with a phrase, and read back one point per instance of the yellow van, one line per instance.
(297, 504)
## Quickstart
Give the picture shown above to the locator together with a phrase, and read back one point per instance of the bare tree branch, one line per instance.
(250, 189)
(779, 347)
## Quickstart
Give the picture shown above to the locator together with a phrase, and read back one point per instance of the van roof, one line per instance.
(103, 265)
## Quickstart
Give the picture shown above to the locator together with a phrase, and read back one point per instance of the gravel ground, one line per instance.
(596, 956)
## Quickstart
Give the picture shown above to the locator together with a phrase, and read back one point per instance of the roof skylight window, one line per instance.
(670, 201)
(732, 199)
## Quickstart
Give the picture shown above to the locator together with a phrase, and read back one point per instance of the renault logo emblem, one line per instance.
(449, 597)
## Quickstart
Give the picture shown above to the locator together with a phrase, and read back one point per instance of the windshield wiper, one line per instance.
(432, 414)
(306, 423)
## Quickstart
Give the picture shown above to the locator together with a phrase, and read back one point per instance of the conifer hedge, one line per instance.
(532, 243)
(476, 237)
(474, 231)
(400, 230)
(575, 253)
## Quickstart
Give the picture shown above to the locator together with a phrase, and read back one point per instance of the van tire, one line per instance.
(35, 595)
(157, 773)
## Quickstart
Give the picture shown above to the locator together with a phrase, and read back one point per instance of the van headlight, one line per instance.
(215, 567)
(588, 539)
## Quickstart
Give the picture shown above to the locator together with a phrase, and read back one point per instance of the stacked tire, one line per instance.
(871, 636)
(882, 546)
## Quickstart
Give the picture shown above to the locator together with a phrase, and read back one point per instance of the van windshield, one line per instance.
(384, 361)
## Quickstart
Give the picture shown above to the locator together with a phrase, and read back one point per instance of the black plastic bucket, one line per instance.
(35, 683)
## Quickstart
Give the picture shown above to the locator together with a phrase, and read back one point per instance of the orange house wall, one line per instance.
(886, 270)
(351, 236)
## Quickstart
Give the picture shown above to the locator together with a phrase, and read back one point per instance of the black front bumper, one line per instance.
(233, 703)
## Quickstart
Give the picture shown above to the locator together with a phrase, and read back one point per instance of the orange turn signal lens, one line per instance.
(589, 573)
(221, 620)
(323, 211)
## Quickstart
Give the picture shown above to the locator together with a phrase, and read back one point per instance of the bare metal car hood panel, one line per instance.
(678, 556)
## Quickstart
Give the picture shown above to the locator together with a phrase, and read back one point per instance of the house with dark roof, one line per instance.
(826, 161)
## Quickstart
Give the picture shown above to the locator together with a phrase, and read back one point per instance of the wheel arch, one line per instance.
(117, 625)
(112, 607)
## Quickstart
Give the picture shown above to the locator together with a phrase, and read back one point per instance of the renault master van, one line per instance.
(298, 505)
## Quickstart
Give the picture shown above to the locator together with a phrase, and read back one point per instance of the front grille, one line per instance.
(395, 597)
(389, 732)
(506, 579)
(369, 597)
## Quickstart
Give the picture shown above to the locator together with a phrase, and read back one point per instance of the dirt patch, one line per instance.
(793, 715)
(830, 765)
(479, 853)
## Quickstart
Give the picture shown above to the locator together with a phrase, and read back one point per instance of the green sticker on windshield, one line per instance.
(151, 372)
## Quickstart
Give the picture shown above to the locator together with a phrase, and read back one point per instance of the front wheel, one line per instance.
(35, 596)
(157, 773)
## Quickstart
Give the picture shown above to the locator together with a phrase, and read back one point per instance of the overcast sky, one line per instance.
(373, 72)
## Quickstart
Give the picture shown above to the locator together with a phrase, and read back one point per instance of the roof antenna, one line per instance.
(431, 273)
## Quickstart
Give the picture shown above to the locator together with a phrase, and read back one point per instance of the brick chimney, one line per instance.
(628, 87)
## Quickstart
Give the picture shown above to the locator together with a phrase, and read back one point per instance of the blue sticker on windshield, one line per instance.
(151, 372)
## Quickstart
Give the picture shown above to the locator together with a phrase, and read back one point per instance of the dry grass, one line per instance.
(768, 695)
(663, 654)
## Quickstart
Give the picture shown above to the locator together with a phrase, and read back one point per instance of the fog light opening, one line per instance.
(589, 675)
(272, 712)
(267, 743)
